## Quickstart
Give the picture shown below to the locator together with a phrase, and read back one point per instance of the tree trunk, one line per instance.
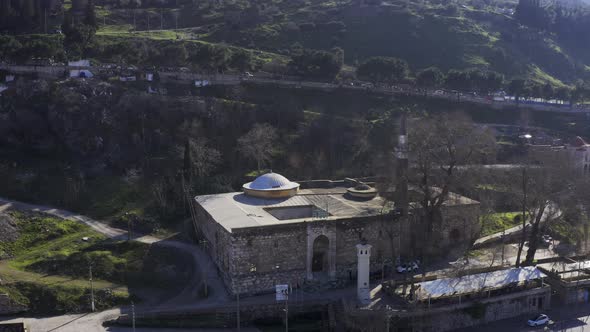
(534, 237)
(523, 237)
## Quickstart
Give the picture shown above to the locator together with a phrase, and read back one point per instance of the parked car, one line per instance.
(408, 267)
(542, 319)
(546, 241)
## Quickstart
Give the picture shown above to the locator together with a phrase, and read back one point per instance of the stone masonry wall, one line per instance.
(254, 260)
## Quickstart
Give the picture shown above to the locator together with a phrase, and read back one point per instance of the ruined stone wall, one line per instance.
(266, 256)
(461, 224)
(258, 252)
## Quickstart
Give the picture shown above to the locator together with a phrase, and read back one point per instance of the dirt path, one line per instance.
(203, 268)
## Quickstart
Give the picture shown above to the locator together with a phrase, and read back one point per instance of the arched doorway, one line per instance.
(319, 261)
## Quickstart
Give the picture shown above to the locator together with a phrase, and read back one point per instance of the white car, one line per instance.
(542, 319)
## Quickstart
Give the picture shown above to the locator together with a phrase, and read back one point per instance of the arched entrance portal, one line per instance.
(319, 261)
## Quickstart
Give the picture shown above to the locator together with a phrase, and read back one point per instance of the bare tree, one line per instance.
(199, 159)
(438, 146)
(259, 144)
(546, 192)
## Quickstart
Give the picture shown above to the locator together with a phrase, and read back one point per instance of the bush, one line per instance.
(383, 69)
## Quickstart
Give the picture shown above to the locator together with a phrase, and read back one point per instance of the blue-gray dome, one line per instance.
(271, 181)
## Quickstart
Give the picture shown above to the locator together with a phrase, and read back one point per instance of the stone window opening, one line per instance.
(276, 244)
(249, 242)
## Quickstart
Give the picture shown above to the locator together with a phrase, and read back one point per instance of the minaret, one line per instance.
(401, 156)
(363, 290)
(401, 199)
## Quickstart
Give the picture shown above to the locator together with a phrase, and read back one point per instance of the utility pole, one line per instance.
(45, 19)
(523, 238)
(287, 311)
(238, 307)
(162, 19)
(204, 244)
(176, 20)
(236, 286)
(134, 25)
(148, 20)
(92, 308)
(133, 315)
(128, 225)
(503, 244)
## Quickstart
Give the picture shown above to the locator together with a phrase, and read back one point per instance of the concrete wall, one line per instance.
(570, 292)
(443, 318)
(496, 308)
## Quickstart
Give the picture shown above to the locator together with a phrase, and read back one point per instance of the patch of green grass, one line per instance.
(565, 232)
(38, 230)
(52, 257)
(540, 76)
(497, 222)
(60, 299)
(71, 256)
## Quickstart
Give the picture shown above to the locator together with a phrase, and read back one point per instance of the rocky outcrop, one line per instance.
(10, 307)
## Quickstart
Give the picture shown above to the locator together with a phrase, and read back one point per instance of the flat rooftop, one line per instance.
(237, 210)
(477, 282)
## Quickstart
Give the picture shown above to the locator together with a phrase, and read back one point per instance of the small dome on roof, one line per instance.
(579, 142)
(362, 186)
(279, 185)
(269, 181)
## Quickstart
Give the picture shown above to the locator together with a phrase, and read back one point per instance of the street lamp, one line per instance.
(92, 307)
(205, 245)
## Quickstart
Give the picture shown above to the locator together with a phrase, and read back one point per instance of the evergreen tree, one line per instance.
(188, 162)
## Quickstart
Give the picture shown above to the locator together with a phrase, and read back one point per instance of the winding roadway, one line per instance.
(188, 297)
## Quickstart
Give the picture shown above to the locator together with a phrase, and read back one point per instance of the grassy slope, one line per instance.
(47, 243)
(497, 222)
(424, 34)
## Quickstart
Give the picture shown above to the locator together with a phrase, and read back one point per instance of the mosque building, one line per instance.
(281, 232)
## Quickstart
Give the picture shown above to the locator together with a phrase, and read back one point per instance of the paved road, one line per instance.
(265, 78)
(188, 297)
(565, 318)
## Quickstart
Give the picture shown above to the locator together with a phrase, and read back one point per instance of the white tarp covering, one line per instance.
(477, 282)
(3, 88)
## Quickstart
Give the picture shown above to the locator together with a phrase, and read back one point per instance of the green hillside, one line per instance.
(449, 35)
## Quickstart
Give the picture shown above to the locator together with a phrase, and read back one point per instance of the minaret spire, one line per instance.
(401, 176)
